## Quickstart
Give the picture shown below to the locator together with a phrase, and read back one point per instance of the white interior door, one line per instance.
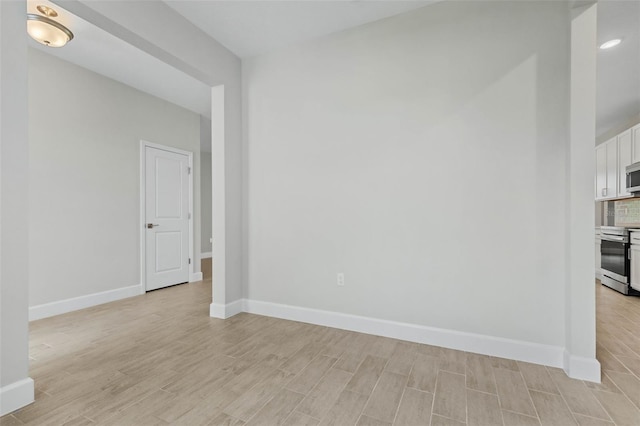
(167, 218)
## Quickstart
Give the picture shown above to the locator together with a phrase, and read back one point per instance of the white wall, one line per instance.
(16, 388)
(420, 156)
(205, 182)
(205, 185)
(84, 140)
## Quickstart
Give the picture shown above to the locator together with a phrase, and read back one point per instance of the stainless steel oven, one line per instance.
(615, 258)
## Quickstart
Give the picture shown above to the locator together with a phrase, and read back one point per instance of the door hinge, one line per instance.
(189, 215)
(189, 170)
(189, 261)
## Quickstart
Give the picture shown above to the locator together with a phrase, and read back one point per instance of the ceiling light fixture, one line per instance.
(611, 43)
(47, 31)
(47, 11)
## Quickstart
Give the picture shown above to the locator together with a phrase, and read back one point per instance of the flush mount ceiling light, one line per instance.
(611, 43)
(47, 11)
(47, 31)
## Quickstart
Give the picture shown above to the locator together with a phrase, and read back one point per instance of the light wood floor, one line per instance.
(206, 265)
(158, 359)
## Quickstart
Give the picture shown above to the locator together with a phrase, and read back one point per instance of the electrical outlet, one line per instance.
(340, 279)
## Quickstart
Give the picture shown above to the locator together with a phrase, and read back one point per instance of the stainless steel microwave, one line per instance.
(633, 178)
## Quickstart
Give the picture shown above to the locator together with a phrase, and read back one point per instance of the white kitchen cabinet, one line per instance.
(635, 137)
(598, 258)
(625, 158)
(612, 159)
(601, 172)
(612, 168)
(607, 170)
(635, 261)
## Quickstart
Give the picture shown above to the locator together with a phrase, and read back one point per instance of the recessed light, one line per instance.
(611, 43)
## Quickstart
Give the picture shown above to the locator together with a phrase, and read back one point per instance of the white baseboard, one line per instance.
(196, 276)
(16, 395)
(206, 255)
(482, 344)
(217, 310)
(581, 368)
(536, 353)
(68, 305)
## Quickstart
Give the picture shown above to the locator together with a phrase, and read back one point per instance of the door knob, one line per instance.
(151, 225)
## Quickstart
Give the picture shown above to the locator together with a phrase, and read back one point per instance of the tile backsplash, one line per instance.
(627, 212)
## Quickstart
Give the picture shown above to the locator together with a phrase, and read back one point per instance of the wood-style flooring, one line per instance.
(160, 359)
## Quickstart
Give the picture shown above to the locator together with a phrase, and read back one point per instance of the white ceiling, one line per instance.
(618, 80)
(103, 53)
(250, 28)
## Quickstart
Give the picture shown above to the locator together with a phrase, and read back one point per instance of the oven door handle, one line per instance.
(613, 238)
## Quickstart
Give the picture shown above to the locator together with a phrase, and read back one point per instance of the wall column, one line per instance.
(580, 355)
(16, 388)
